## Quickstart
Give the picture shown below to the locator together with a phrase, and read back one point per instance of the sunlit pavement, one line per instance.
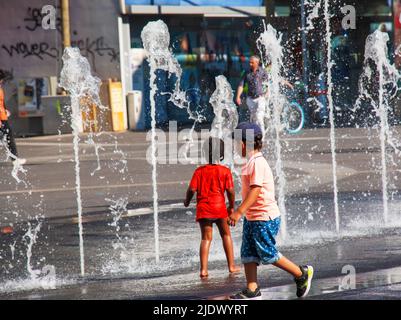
(50, 173)
(379, 284)
(121, 264)
(114, 272)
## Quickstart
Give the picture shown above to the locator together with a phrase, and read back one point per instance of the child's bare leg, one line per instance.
(207, 234)
(251, 275)
(289, 266)
(225, 234)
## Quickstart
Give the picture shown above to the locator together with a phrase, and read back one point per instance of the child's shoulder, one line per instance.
(224, 168)
(259, 160)
(200, 168)
(214, 167)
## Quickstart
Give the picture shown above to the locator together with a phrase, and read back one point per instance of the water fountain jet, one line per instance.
(76, 78)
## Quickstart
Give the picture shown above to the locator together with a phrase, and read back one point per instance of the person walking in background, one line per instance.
(256, 80)
(6, 133)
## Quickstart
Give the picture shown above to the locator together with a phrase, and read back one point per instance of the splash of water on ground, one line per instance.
(46, 277)
(117, 209)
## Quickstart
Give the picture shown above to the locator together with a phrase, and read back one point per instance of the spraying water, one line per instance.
(269, 45)
(17, 166)
(31, 238)
(225, 112)
(156, 41)
(380, 74)
(225, 121)
(76, 78)
(46, 277)
(331, 114)
(117, 209)
(312, 15)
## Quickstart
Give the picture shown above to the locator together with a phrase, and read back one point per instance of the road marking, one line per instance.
(344, 172)
(115, 186)
(129, 213)
(323, 138)
(162, 208)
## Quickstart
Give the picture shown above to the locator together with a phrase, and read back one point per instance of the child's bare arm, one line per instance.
(188, 197)
(231, 199)
(250, 199)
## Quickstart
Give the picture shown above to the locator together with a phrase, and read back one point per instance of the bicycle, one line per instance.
(293, 117)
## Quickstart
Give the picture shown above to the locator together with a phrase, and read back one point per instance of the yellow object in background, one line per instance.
(89, 115)
(117, 106)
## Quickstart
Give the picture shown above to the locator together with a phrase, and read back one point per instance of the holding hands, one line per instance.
(233, 217)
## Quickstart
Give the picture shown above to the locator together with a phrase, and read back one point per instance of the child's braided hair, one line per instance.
(213, 150)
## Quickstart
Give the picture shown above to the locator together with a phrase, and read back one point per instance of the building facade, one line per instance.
(32, 54)
(208, 37)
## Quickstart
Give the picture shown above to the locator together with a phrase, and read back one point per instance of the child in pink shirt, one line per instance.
(262, 219)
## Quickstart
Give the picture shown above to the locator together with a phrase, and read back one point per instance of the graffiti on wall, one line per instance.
(39, 50)
(94, 48)
(35, 16)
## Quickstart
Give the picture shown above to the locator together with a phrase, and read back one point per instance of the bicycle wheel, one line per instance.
(293, 117)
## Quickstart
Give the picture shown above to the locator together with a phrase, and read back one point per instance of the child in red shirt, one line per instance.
(210, 182)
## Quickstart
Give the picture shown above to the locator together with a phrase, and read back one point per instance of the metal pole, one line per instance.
(65, 16)
(123, 7)
(305, 55)
(269, 5)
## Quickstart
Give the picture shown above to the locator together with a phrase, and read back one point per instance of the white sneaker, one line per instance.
(20, 161)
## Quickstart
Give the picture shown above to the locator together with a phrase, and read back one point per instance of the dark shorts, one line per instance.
(211, 220)
(259, 243)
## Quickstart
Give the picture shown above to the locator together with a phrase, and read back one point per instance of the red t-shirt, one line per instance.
(3, 112)
(210, 182)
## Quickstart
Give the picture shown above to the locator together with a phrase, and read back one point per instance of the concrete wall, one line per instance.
(29, 51)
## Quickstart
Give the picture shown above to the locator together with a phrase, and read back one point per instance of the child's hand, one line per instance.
(233, 218)
(186, 203)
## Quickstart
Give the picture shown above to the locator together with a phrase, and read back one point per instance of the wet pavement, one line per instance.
(125, 172)
(119, 246)
(122, 266)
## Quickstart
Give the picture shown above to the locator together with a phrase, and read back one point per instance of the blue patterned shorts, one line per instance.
(259, 243)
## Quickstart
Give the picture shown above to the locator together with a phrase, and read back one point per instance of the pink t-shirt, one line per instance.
(257, 172)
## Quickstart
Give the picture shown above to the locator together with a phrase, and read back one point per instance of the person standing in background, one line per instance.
(5, 128)
(257, 80)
